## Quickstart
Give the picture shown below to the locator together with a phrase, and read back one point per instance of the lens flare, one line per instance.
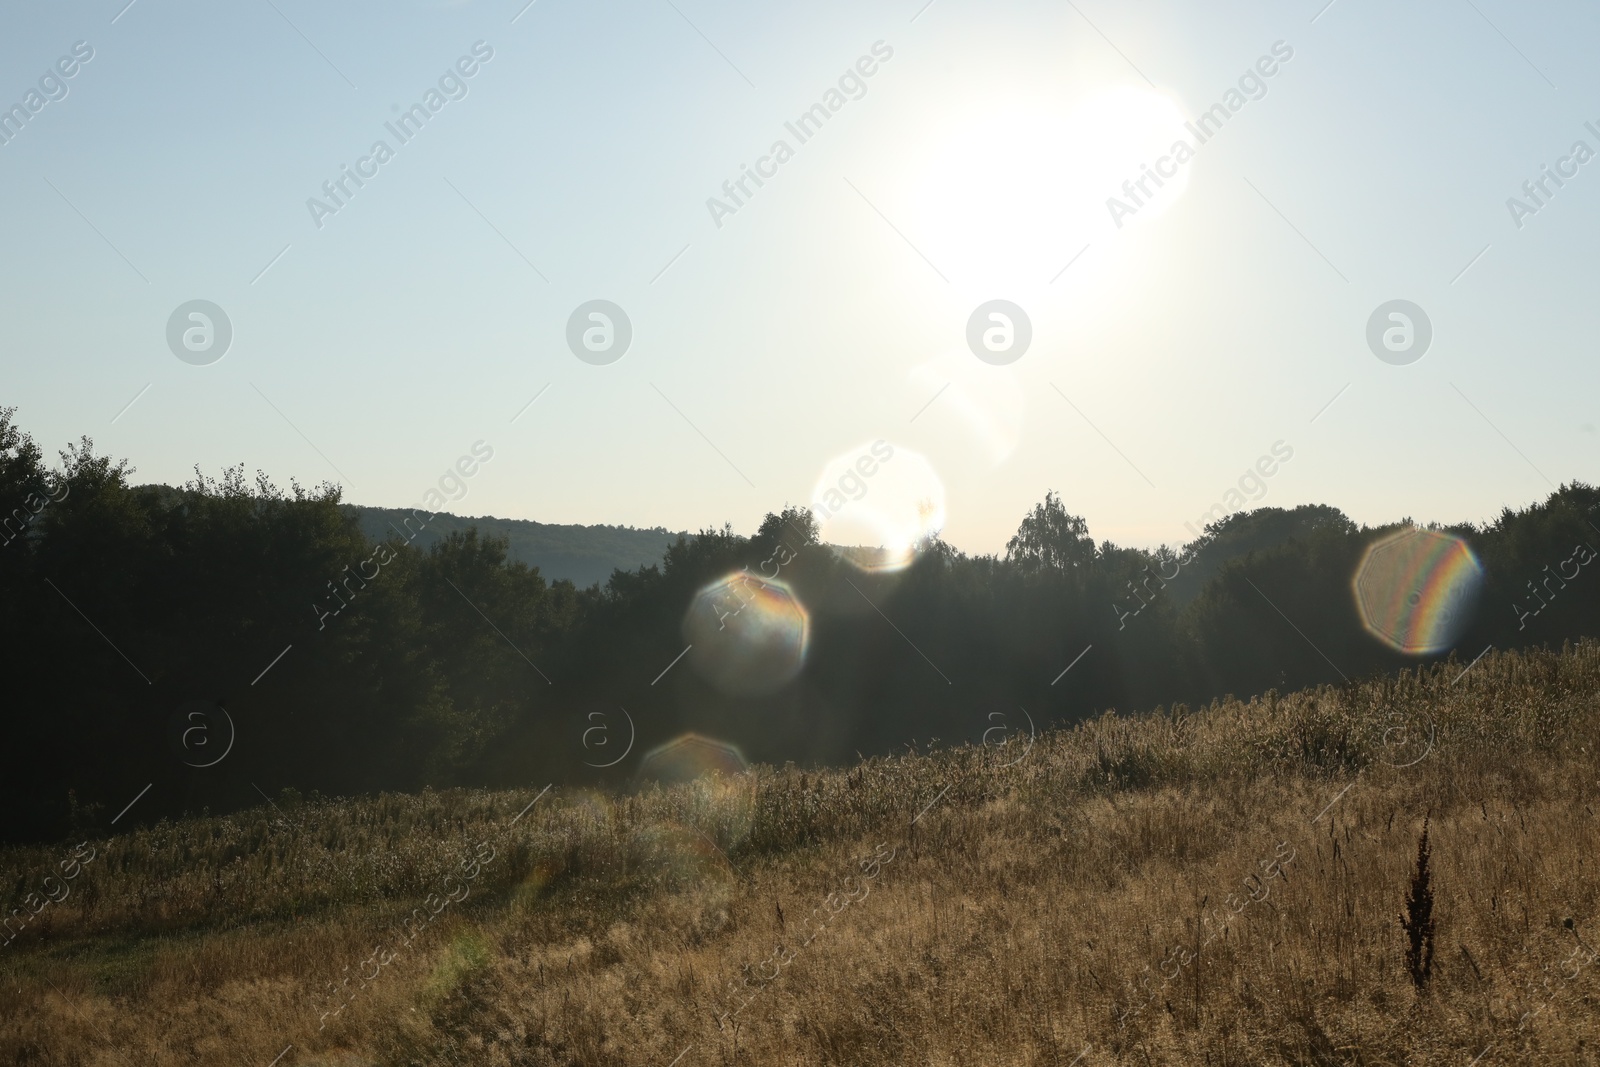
(880, 501)
(1416, 590)
(689, 757)
(525, 895)
(747, 634)
(682, 856)
(467, 952)
(713, 790)
(987, 402)
(712, 805)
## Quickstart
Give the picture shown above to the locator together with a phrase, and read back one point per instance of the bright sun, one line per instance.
(1016, 188)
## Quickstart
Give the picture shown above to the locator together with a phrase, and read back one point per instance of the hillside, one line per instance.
(585, 555)
(1215, 886)
(582, 555)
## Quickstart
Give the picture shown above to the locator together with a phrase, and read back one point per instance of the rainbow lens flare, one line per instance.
(683, 759)
(1415, 589)
(747, 634)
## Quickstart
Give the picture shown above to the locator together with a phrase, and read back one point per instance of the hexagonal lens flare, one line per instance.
(683, 759)
(1416, 589)
(714, 804)
(747, 635)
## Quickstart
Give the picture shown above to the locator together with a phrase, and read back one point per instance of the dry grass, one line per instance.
(1071, 896)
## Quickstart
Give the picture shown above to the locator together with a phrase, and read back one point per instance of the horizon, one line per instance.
(1425, 523)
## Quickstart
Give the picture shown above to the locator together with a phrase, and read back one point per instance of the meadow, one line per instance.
(1217, 885)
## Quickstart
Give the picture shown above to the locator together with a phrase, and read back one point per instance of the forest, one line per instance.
(179, 646)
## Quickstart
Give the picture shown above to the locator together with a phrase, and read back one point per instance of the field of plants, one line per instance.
(1242, 883)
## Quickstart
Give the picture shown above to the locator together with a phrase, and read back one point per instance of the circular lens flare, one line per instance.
(747, 634)
(879, 503)
(1415, 589)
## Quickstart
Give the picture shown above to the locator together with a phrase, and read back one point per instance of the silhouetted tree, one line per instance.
(1050, 539)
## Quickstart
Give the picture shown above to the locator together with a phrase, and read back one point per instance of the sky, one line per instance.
(779, 332)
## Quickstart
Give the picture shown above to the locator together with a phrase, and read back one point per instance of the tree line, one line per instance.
(207, 645)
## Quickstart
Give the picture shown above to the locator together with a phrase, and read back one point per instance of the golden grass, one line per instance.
(1067, 900)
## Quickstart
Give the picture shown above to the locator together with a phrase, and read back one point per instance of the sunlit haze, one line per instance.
(376, 337)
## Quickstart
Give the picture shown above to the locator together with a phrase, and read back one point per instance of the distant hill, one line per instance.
(588, 554)
(583, 555)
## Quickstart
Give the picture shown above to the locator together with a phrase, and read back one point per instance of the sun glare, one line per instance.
(982, 404)
(880, 500)
(1013, 189)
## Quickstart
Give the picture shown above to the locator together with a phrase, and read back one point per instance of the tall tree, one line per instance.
(1050, 539)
